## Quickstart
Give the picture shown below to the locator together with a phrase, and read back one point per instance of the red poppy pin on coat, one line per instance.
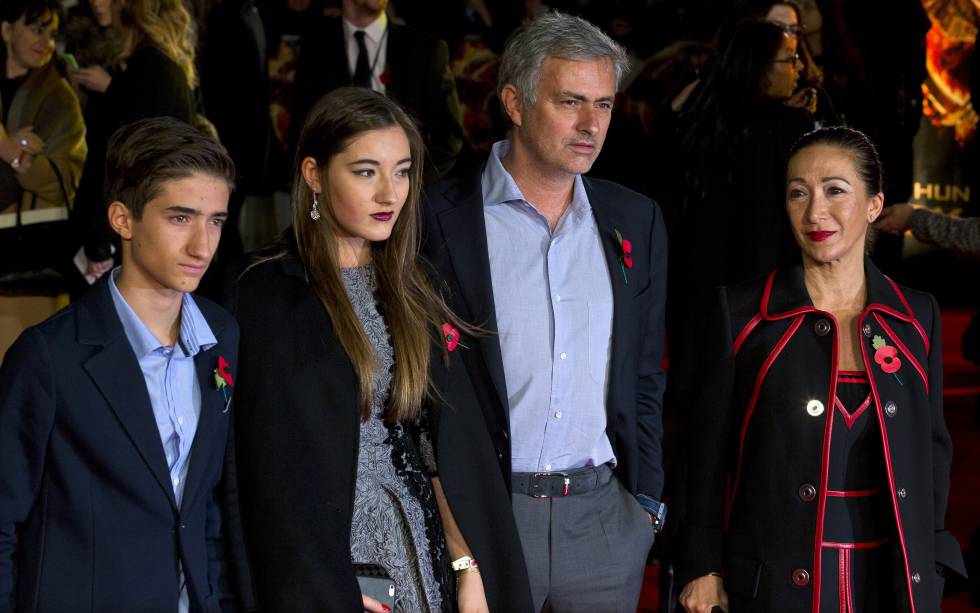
(886, 357)
(451, 335)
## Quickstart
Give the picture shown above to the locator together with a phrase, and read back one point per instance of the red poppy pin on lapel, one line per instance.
(223, 380)
(625, 256)
(886, 356)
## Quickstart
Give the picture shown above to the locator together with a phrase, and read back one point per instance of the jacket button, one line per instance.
(916, 578)
(814, 408)
(866, 329)
(807, 492)
(801, 578)
(822, 327)
(902, 493)
(891, 408)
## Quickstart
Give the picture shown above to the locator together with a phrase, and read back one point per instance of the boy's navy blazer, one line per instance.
(456, 244)
(88, 518)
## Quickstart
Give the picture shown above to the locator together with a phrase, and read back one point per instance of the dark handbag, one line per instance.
(10, 190)
(33, 254)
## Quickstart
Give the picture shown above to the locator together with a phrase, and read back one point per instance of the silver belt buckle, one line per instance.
(566, 481)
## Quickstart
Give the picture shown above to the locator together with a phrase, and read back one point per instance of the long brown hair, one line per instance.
(166, 24)
(414, 311)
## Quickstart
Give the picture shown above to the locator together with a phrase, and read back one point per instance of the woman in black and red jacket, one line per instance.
(819, 458)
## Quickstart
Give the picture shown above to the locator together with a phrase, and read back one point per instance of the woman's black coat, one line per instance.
(297, 429)
(754, 446)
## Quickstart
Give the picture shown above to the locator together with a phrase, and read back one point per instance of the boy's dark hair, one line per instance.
(145, 153)
(30, 10)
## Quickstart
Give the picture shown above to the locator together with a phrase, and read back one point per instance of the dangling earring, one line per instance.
(315, 212)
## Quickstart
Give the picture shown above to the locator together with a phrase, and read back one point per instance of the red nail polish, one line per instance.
(386, 608)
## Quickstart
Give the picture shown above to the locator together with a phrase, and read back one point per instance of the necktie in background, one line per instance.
(362, 69)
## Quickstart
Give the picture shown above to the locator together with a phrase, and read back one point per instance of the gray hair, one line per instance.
(554, 35)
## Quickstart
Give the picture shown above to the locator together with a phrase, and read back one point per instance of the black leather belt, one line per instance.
(558, 484)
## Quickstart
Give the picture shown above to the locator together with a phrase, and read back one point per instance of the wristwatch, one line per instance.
(465, 564)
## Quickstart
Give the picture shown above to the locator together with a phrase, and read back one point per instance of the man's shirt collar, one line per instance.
(499, 187)
(374, 32)
(195, 334)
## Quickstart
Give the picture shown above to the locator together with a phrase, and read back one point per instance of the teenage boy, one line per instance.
(114, 412)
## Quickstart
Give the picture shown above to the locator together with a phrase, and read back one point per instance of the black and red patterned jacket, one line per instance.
(757, 453)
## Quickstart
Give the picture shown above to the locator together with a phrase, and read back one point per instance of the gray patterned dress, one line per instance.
(395, 521)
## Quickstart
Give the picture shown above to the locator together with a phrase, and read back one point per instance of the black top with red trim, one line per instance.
(857, 510)
(762, 434)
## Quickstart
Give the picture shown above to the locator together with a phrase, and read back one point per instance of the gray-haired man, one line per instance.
(569, 274)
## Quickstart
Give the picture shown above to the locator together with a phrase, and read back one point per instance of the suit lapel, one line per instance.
(464, 229)
(609, 218)
(116, 372)
(212, 412)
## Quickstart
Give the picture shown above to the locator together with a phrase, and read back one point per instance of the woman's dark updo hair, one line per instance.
(856, 143)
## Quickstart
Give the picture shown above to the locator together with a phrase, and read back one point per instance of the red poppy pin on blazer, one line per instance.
(223, 380)
(625, 255)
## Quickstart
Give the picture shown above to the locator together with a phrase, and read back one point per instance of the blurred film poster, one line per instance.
(947, 155)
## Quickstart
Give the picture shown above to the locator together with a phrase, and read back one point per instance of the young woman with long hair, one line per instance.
(357, 428)
(153, 75)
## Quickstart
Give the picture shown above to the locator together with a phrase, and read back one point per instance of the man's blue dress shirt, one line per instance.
(553, 298)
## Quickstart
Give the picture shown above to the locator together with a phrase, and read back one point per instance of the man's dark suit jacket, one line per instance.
(419, 80)
(88, 518)
(456, 244)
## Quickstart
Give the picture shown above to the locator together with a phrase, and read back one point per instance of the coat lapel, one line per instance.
(116, 372)
(609, 218)
(465, 231)
(212, 412)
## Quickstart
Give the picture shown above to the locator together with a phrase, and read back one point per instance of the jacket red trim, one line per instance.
(825, 469)
(755, 397)
(744, 334)
(905, 350)
(911, 317)
(883, 429)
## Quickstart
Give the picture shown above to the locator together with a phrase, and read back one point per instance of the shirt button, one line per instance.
(916, 577)
(891, 408)
(902, 493)
(176, 480)
(180, 420)
(557, 414)
(557, 297)
(866, 329)
(562, 355)
(547, 466)
(814, 408)
(822, 327)
(801, 578)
